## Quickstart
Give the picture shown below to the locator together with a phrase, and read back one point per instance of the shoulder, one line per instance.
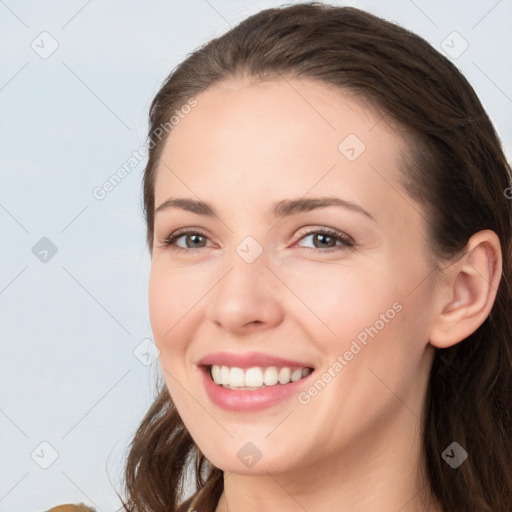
(72, 508)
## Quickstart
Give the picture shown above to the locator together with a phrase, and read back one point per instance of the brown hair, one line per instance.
(453, 165)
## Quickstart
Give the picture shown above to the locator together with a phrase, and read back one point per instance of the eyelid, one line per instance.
(310, 230)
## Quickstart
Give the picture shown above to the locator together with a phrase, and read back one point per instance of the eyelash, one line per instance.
(347, 242)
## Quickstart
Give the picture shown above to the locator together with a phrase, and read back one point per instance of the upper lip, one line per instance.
(249, 360)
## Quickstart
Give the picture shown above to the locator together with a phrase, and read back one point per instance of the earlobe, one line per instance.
(468, 291)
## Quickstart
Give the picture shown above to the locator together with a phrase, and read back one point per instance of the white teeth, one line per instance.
(253, 377)
(256, 377)
(216, 374)
(270, 376)
(296, 374)
(284, 375)
(224, 375)
(236, 377)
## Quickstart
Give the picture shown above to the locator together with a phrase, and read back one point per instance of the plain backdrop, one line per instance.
(78, 366)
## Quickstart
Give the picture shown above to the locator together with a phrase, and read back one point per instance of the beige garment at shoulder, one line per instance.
(71, 508)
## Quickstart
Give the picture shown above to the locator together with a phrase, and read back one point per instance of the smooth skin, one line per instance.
(356, 445)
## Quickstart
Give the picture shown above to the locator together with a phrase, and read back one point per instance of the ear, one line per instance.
(467, 291)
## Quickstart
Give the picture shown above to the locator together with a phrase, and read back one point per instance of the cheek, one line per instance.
(160, 303)
(168, 303)
(370, 316)
(171, 299)
(342, 300)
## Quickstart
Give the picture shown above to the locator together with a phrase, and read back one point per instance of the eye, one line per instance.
(192, 240)
(324, 240)
(328, 240)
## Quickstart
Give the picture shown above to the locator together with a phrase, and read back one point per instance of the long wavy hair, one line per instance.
(454, 166)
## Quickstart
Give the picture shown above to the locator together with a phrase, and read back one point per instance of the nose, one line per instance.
(247, 298)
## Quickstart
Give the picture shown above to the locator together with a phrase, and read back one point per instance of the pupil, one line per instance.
(195, 239)
(323, 238)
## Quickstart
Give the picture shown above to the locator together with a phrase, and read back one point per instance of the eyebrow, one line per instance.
(279, 209)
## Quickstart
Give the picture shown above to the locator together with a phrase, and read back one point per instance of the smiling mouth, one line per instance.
(255, 378)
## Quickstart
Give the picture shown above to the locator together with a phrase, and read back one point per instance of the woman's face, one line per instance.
(272, 276)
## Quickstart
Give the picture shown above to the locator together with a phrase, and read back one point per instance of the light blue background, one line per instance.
(69, 375)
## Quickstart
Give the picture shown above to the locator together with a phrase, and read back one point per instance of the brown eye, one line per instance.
(195, 240)
(323, 240)
(327, 240)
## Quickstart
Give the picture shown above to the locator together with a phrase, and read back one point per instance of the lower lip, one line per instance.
(249, 401)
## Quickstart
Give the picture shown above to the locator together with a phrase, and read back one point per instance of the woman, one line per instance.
(327, 214)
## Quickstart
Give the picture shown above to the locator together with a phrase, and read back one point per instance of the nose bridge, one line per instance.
(250, 250)
(244, 296)
(248, 274)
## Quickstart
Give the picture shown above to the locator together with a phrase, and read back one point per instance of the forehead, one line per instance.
(279, 138)
(290, 106)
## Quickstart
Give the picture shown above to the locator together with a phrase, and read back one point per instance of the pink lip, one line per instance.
(245, 400)
(250, 360)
